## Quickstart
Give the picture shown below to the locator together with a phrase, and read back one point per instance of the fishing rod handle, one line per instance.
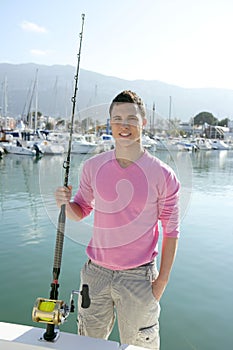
(85, 297)
(60, 238)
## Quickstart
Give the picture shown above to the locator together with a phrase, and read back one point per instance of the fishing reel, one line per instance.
(55, 312)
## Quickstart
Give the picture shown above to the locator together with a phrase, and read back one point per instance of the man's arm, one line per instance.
(169, 248)
(74, 211)
(63, 196)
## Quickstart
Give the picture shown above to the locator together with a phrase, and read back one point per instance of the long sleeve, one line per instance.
(169, 205)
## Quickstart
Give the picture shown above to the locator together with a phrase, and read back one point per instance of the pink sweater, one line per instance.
(127, 203)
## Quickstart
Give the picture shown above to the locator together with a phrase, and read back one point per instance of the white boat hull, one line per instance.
(83, 148)
(1, 151)
(220, 145)
(13, 149)
(51, 148)
(203, 144)
(166, 145)
(20, 337)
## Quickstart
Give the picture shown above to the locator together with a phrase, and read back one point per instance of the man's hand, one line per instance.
(158, 287)
(169, 247)
(63, 195)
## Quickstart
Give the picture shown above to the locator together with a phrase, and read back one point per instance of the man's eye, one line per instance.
(133, 119)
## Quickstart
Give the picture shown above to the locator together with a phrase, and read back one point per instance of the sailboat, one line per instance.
(17, 148)
(13, 142)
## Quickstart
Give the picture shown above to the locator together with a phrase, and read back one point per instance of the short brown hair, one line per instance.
(129, 97)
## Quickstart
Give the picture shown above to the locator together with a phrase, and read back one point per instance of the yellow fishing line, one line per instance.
(47, 306)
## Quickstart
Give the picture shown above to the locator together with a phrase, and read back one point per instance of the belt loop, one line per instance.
(149, 274)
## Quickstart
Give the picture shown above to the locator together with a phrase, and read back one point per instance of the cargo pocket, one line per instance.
(148, 337)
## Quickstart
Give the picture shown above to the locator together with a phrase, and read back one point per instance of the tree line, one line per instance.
(207, 117)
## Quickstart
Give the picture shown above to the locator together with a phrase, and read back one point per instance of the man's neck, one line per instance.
(128, 155)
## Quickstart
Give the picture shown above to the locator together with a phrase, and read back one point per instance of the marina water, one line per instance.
(197, 306)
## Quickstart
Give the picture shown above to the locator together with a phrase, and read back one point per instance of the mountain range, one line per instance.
(55, 86)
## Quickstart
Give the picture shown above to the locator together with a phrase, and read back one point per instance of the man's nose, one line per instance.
(125, 122)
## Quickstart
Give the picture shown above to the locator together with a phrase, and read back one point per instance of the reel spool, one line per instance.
(56, 311)
(49, 311)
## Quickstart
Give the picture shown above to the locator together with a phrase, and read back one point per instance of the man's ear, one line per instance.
(144, 122)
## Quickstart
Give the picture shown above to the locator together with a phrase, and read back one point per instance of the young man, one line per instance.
(130, 191)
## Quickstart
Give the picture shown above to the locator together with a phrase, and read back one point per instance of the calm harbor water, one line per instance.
(197, 307)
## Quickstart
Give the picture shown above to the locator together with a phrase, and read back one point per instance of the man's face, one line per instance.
(127, 122)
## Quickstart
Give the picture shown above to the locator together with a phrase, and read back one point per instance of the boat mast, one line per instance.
(153, 119)
(5, 102)
(169, 113)
(36, 102)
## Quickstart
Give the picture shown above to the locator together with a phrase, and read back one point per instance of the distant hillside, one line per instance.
(55, 89)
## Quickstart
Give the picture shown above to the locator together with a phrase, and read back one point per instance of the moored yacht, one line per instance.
(18, 148)
(220, 145)
(202, 143)
(81, 146)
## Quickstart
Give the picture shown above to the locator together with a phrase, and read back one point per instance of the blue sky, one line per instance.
(181, 42)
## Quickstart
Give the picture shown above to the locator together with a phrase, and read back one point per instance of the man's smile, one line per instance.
(123, 134)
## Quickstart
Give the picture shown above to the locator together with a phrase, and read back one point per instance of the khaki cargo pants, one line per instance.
(129, 294)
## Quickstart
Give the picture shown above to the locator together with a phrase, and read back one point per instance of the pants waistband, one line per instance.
(150, 263)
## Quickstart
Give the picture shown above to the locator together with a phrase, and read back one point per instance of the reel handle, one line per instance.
(85, 296)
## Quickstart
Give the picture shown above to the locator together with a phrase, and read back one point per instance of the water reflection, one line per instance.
(213, 171)
(28, 185)
(203, 264)
(20, 198)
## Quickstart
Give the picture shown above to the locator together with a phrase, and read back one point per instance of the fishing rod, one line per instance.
(53, 311)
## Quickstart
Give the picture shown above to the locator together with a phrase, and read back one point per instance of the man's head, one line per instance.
(129, 97)
(128, 117)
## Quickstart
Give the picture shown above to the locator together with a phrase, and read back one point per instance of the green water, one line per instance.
(197, 307)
